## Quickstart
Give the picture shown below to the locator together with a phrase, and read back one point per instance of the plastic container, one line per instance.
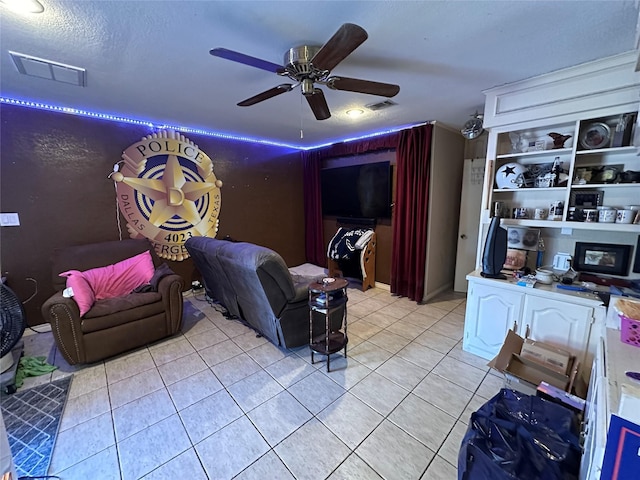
(629, 330)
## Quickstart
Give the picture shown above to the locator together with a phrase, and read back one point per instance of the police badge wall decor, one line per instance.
(167, 192)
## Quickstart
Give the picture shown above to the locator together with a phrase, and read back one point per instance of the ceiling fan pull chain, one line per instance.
(301, 128)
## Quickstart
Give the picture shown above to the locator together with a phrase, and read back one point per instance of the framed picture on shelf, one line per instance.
(523, 238)
(516, 259)
(586, 198)
(597, 174)
(607, 258)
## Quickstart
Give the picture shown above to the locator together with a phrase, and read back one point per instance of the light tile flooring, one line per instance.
(217, 402)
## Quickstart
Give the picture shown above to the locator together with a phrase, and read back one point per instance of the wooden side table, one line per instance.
(328, 301)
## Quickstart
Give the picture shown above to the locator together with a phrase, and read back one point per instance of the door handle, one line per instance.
(463, 236)
(515, 326)
(527, 331)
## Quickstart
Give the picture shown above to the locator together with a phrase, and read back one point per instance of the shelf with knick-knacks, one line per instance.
(573, 170)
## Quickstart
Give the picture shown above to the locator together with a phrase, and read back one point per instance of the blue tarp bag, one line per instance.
(520, 437)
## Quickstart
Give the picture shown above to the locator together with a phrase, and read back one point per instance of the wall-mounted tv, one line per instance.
(357, 191)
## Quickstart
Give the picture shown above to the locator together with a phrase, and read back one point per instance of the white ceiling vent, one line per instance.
(380, 105)
(39, 67)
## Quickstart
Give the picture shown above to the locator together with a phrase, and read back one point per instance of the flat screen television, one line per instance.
(357, 191)
(495, 250)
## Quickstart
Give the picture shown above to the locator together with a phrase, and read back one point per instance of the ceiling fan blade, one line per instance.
(318, 104)
(246, 59)
(348, 37)
(363, 86)
(272, 92)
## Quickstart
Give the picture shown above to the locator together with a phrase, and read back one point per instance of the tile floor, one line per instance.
(217, 402)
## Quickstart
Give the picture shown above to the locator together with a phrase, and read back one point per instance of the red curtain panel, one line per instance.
(413, 157)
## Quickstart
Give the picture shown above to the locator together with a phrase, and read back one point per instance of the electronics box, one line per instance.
(547, 355)
(553, 394)
(525, 375)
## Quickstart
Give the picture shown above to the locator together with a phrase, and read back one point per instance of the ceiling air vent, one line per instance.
(39, 67)
(380, 105)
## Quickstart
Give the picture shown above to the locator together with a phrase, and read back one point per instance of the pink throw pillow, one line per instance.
(120, 278)
(82, 292)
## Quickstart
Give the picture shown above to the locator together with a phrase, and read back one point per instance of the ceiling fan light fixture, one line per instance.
(307, 87)
(354, 112)
(24, 6)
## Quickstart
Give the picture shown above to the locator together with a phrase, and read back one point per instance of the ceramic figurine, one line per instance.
(519, 143)
(559, 139)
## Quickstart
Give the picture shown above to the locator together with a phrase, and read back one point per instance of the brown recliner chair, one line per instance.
(114, 325)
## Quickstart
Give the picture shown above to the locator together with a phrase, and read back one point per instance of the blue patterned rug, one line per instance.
(32, 418)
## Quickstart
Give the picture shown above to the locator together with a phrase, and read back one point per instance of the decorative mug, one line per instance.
(520, 213)
(540, 214)
(555, 210)
(625, 216)
(607, 215)
(591, 215)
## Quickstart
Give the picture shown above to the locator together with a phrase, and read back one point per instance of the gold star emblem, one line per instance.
(172, 195)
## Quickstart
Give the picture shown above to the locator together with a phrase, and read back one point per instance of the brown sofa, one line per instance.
(115, 325)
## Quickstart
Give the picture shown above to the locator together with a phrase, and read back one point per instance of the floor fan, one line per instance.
(12, 325)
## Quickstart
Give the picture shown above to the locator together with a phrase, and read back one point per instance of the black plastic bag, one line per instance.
(524, 437)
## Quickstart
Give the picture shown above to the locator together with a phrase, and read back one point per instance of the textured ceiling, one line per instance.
(150, 59)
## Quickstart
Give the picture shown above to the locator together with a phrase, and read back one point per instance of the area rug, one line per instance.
(32, 418)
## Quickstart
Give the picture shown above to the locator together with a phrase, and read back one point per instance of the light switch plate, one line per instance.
(9, 220)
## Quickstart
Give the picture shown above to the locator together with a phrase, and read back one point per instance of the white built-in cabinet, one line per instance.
(519, 118)
(491, 311)
(560, 322)
(561, 318)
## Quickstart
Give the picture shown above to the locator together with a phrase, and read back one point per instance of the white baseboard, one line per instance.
(444, 288)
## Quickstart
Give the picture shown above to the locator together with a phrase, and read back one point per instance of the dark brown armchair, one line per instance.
(114, 325)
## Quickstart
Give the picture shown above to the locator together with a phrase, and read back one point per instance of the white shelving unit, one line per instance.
(564, 102)
(575, 161)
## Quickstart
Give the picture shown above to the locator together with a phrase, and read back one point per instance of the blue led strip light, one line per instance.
(117, 118)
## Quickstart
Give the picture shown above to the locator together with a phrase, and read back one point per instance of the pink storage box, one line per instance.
(629, 330)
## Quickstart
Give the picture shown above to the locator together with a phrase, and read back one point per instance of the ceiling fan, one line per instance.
(308, 65)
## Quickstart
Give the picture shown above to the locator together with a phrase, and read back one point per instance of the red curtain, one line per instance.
(312, 163)
(408, 255)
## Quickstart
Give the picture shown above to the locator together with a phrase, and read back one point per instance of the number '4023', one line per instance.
(178, 237)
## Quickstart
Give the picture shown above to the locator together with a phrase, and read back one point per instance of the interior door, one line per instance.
(468, 224)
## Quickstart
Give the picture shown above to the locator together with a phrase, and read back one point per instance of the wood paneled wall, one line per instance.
(54, 171)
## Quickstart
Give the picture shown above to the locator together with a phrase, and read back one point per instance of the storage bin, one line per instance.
(629, 330)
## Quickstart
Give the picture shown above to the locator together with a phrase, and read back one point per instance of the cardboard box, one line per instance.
(534, 372)
(525, 375)
(551, 357)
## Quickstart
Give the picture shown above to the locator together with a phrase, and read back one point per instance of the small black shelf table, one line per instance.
(328, 301)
